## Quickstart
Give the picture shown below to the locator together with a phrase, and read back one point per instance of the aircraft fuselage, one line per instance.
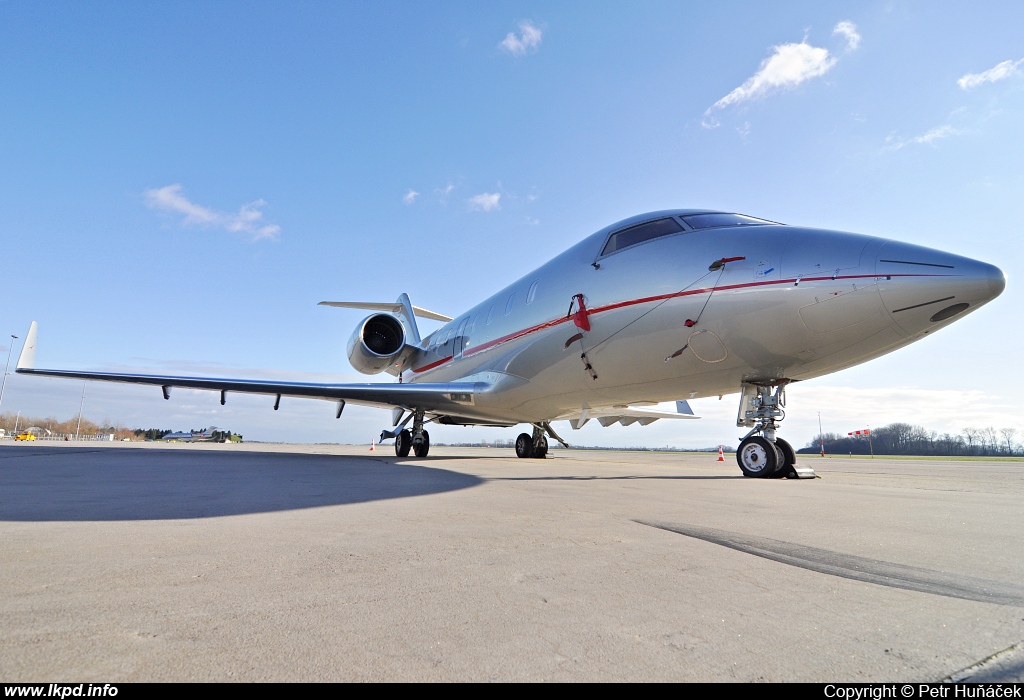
(788, 304)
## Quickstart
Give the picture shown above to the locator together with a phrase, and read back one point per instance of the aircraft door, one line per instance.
(459, 343)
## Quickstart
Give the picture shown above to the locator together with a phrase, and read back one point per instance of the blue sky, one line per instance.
(181, 183)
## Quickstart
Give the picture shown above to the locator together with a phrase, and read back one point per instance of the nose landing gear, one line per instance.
(761, 453)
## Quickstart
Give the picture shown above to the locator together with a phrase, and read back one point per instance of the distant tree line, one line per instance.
(150, 433)
(908, 439)
(10, 420)
(52, 426)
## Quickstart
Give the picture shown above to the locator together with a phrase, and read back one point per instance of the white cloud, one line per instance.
(939, 132)
(527, 41)
(930, 136)
(443, 192)
(849, 30)
(410, 196)
(999, 72)
(486, 201)
(788, 66)
(248, 220)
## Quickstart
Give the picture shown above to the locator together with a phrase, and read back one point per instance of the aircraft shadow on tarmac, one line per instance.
(622, 477)
(59, 484)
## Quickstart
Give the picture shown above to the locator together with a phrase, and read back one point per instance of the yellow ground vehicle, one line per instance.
(24, 436)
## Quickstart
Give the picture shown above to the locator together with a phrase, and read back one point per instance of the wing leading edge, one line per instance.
(436, 397)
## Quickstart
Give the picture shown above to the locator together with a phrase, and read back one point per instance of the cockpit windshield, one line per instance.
(718, 220)
(641, 233)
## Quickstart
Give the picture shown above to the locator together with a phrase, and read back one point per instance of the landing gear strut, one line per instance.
(761, 453)
(417, 440)
(536, 445)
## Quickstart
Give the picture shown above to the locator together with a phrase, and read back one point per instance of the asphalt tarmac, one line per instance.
(332, 563)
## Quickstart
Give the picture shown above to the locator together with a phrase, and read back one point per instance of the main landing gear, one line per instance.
(536, 445)
(417, 440)
(761, 453)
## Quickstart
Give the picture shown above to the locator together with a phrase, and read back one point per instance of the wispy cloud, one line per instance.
(248, 221)
(998, 72)
(443, 192)
(848, 29)
(410, 197)
(528, 40)
(788, 66)
(929, 137)
(486, 201)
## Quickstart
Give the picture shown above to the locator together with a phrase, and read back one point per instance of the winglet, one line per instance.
(684, 408)
(27, 358)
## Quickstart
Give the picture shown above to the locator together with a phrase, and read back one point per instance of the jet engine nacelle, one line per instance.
(376, 343)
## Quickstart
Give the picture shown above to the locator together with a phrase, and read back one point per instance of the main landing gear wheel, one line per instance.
(786, 467)
(541, 451)
(758, 457)
(421, 448)
(403, 441)
(524, 446)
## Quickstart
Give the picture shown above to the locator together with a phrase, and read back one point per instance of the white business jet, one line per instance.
(670, 305)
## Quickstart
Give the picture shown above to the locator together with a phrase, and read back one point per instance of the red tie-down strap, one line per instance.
(580, 316)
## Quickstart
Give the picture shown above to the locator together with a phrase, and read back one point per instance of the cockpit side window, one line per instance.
(641, 233)
(720, 220)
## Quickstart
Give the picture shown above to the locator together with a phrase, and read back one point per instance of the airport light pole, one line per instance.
(80, 407)
(6, 368)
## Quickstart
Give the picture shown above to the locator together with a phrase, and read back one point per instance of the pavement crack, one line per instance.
(1004, 666)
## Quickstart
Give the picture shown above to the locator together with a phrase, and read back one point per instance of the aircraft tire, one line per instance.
(758, 457)
(524, 446)
(403, 441)
(542, 451)
(421, 449)
(785, 470)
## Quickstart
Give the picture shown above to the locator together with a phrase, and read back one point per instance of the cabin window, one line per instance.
(720, 220)
(490, 314)
(532, 293)
(641, 233)
(511, 301)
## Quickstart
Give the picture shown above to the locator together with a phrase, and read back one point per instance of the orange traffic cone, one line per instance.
(373, 445)
(721, 455)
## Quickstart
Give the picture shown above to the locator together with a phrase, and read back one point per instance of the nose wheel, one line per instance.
(758, 457)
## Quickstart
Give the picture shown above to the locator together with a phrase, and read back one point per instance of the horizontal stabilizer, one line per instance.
(389, 307)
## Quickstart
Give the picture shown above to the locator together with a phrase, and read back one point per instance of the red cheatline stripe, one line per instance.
(644, 300)
(432, 365)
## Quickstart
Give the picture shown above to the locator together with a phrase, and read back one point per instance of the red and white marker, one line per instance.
(373, 445)
(721, 454)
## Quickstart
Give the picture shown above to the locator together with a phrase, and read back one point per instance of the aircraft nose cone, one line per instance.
(923, 289)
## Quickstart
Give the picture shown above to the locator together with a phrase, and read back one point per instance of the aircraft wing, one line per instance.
(436, 397)
(626, 415)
